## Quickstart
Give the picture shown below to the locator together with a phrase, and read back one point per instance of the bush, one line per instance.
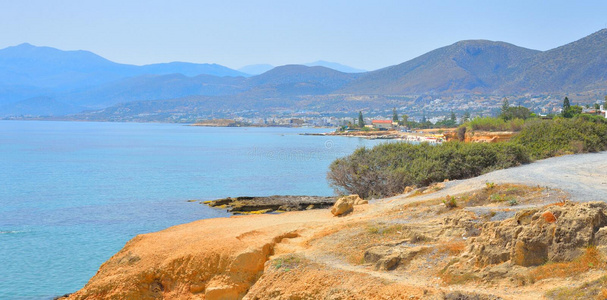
(547, 138)
(494, 124)
(387, 169)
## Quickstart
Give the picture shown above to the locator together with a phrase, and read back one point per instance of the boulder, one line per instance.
(533, 237)
(341, 207)
(346, 204)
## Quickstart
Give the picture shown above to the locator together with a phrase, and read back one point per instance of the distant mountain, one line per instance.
(190, 69)
(334, 66)
(45, 67)
(47, 81)
(298, 80)
(466, 66)
(39, 106)
(27, 71)
(256, 69)
(153, 87)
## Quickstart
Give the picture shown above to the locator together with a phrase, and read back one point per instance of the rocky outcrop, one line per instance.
(388, 257)
(243, 205)
(554, 233)
(345, 205)
(208, 259)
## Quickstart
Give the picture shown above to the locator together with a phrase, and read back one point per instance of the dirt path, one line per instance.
(582, 176)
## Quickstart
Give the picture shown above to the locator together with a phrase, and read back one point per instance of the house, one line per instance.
(382, 124)
(296, 122)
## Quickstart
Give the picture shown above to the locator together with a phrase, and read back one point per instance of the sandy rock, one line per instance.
(408, 189)
(346, 204)
(557, 233)
(390, 257)
(341, 207)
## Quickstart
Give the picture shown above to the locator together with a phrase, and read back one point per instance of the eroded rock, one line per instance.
(557, 233)
(345, 205)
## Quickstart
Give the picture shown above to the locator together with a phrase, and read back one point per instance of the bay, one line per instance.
(72, 193)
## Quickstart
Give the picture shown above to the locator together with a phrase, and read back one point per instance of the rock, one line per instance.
(523, 217)
(346, 204)
(341, 207)
(408, 189)
(557, 233)
(390, 257)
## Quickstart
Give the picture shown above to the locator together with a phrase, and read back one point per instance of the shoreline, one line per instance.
(386, 246)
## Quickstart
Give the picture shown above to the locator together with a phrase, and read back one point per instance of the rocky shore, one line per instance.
(257, 205)
(481, 238)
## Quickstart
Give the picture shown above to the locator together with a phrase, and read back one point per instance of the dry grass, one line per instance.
(507, 193)
(590, 290)
(591, 259)
(454, 247)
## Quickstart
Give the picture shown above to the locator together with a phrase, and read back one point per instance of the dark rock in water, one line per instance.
(62, 297)
(272, 203)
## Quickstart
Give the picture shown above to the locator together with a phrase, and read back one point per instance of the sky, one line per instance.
(361, 34)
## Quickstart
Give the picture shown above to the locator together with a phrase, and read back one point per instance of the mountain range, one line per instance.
(43, 81)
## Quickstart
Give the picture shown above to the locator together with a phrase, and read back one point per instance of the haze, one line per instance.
(361, 34)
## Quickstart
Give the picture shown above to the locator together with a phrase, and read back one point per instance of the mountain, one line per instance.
(45, 67)
(39, 106)
(256, 69)
(190, 69)
(466, 66)
(28, 71)
(299, 80)
(574, 67)
(153, 87)
(334, 66)
(46, 81)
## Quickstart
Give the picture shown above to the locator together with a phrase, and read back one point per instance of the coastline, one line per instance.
(386, 247)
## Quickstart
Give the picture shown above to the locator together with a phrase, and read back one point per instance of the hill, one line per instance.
(334, 66)
(28, 71)
(466, 66)
(467, 75)
(574, 67)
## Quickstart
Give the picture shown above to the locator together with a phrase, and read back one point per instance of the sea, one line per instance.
(73, 193)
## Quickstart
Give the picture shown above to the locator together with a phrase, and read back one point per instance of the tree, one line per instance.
(405, 120)
(519, 112)
(605, 103)
(505, 106)
(361, 120)
(566, 108)
(394, 115)
(466, 117)
(453, 117)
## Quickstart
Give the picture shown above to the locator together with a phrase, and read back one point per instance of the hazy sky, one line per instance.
(362, 34)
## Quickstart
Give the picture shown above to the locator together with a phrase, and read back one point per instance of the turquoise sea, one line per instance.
(73, 193)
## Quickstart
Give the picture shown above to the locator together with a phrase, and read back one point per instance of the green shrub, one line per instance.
(547, 138)
(388, 168)
(494, 124)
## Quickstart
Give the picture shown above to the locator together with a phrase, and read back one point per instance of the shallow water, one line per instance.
(72, 193)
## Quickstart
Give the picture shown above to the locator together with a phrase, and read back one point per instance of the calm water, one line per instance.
(71, 193)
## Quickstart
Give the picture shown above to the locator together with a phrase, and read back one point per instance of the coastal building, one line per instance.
(382, 124)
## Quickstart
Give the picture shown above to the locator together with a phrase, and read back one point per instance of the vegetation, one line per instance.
(493, 124)
(388, 168)
(547, 138)
(361, 120)
(591, 259)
